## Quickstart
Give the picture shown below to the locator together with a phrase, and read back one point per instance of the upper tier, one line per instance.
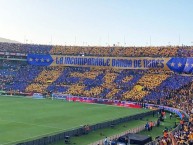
(116, 51)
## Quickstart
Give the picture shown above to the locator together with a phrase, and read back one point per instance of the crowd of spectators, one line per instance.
(24, 48)
(132, 85)
(17, 75)
(115, 51)
(146, 84)
(181, 99)
(169, 51)
(184, 134)
(157, 86)
(44, 79)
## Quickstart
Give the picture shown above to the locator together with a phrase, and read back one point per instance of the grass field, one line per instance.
(24, 119)
(96, 135)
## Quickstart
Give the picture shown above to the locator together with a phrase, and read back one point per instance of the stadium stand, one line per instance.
(16, 75)
(164, 51)
(24, 48)
(170, 88)
(182, 136)
(104, 83)
(46, 77)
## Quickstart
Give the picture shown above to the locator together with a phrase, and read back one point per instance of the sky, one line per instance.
(98, 22)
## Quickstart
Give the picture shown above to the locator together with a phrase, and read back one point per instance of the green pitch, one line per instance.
(23, 119)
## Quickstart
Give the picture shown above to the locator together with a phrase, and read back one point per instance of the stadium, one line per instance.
(51, 92)
(96, 72)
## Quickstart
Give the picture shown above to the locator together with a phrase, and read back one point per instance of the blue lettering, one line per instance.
(68, 60)
(137, 63)
(61, 60)
(57, 61)
(108, 62)
(113, 62)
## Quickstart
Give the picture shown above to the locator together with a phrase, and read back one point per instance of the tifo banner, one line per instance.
(42, 60)
(171, 63)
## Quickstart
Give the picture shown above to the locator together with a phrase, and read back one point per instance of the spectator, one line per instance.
(147, 127)
(106, 141)
(170, 115)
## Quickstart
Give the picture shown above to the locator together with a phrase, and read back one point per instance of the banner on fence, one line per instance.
(68, 97)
